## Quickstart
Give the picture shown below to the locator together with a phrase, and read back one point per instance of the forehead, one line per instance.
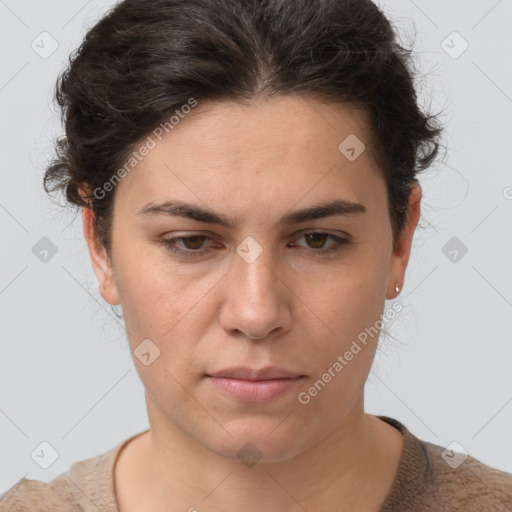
(292, 145)
(232, 129)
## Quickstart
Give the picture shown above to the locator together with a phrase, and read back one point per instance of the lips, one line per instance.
(267, 373)
(254, 386)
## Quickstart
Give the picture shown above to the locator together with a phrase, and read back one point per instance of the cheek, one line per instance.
(343, 359)
(160, 309)
(352, 298)
(165, 307)
(351, 308)
(153, 299)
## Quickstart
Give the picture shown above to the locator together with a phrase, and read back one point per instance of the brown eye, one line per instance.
(188, 246)
(316, 243)
(193, 242)
(316, 240)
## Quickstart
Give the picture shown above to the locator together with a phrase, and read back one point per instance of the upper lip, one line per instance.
(267, 373)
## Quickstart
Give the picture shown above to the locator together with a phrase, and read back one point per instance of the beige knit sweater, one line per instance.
(425, 482)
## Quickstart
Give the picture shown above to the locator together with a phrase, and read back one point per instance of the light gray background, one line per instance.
(66, 375)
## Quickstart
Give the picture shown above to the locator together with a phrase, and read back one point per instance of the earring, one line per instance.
(397, 288)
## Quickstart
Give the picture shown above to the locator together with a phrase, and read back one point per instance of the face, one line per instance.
(233, 276)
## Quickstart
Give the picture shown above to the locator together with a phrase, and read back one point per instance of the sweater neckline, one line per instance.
(409, 480)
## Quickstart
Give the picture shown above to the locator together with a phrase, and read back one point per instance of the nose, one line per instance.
(256, 300)
(256, 338)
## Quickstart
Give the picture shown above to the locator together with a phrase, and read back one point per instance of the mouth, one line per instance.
(254, 386)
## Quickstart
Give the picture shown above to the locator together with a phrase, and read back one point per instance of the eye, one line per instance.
(194, 245)
(318, 240)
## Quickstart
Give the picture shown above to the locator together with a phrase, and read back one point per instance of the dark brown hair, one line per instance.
(144, 60)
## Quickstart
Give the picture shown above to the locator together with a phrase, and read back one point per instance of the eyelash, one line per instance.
(170, 244)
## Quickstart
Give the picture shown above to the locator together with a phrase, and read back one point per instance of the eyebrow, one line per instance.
(181, 209)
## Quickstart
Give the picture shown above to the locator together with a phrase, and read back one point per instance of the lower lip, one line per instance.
(254, 391)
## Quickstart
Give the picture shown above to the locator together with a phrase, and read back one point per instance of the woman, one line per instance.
(247, 177)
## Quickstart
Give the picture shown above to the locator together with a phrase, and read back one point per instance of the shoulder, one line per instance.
(462, 479)
(433, 478)
(33, 495)
(87, 485)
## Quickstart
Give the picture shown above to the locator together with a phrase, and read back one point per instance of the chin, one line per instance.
(251, 441)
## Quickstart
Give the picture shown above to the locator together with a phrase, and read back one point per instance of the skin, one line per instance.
(288, 308)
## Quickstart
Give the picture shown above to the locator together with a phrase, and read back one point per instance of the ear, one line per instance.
(402, 251)
(102, 265)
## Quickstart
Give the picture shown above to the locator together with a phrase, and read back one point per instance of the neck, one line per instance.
(336, 473)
